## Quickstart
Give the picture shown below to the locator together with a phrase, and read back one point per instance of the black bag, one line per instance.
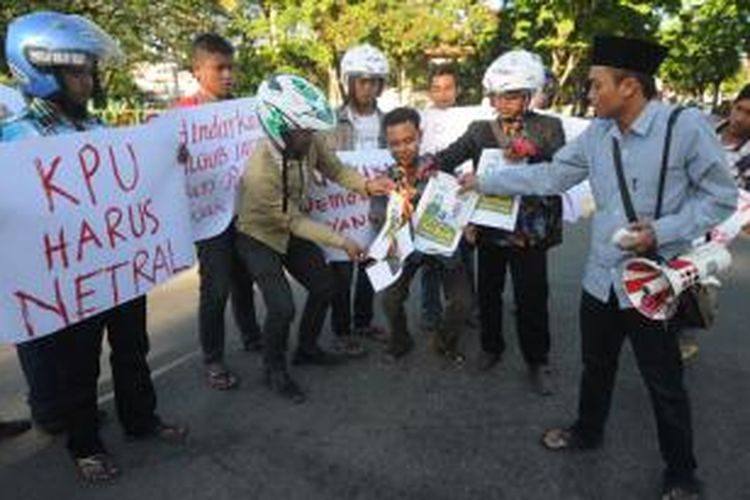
(697, 306)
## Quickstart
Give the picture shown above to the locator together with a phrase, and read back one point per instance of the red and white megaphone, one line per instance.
(653, 288)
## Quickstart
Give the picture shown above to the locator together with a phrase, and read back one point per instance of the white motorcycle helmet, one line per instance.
(363, 61)
(289, 102)
(513, 71)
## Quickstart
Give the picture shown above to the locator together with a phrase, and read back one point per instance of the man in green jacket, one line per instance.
(274, 232)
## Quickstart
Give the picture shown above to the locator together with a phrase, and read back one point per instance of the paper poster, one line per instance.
(495, 211)
(442, 215)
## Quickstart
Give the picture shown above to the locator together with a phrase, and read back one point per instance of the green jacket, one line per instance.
(270, 213)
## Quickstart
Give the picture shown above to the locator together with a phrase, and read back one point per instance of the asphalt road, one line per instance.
(415, 430)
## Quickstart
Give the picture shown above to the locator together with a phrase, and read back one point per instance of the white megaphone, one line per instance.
(653, 288)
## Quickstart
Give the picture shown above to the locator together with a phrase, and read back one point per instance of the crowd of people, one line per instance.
(272, 236)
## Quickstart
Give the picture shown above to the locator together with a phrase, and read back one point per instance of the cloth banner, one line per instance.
(220, 137)
(88, 221)
(441, 127)
(344, 211)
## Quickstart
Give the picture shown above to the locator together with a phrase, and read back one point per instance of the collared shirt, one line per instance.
(41, 118)
(699, 192)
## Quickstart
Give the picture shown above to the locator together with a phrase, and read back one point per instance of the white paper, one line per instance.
(391, 246)
(495, 211)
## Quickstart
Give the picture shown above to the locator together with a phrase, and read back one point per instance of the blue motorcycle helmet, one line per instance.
(40, 42)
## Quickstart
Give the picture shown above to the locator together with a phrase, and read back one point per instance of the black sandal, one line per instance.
(171, 433)
(221, 379)
(566, 439)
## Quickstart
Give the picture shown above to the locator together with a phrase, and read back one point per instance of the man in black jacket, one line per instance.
(510, 83)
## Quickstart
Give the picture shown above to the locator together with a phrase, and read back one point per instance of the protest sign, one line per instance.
(88, 221)
(220, 137)
(344, 211)
(442, 215)
(495, 211)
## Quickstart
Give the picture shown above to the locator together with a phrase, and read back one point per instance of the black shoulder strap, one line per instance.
(624, 193)
(665, 159)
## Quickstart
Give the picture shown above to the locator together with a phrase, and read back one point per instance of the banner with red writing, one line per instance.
(88, 221)
(220, 137)
(344, 211)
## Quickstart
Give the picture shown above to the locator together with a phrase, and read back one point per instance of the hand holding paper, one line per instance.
(380, 186)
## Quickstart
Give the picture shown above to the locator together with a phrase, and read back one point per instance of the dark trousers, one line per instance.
(222, 276)
(79, 348)
(604, 327)
(432, 297)
(38, 359)
(305, 262)
(341, 307)
(528, 268)
(457, 292)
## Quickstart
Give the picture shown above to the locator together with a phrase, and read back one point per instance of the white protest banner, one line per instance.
(442, 215)
(391, 246)
(728, 230)
(88, 221)
(344, 211)
(220, 137)
(578, 202)
(495, 211)
(11, 101)
(441, 127)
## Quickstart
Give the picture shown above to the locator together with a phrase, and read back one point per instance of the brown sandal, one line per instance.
(97, 469)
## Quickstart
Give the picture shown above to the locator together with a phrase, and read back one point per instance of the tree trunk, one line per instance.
(334, 89)
(717, 94)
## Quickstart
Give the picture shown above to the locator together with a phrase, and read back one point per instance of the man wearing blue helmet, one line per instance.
(55, 58)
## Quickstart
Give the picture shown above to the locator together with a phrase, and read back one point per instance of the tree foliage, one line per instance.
(706, 37)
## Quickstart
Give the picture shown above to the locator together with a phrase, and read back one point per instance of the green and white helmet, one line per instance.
(289, 102)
